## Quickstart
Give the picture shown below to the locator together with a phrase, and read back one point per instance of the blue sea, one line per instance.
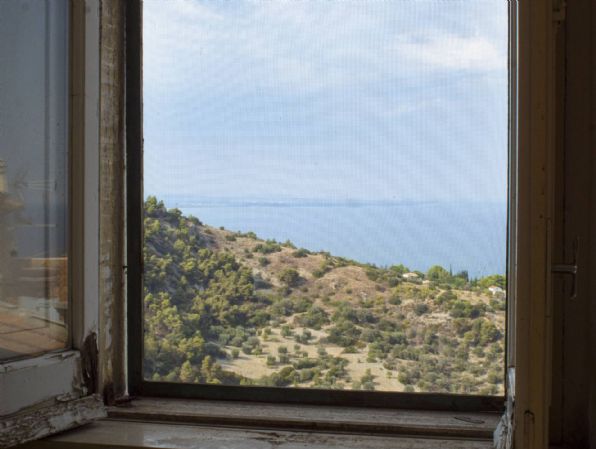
(461, 236)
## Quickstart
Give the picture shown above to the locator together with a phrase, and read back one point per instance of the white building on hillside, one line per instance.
(497, 291)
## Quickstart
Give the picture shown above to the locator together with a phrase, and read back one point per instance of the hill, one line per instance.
(230, 308)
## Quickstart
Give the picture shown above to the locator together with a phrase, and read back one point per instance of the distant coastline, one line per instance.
(186, 202)
(466, 235)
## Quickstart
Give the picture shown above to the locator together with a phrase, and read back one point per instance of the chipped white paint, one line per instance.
(43, 360)
(42, 421)
(500, 436)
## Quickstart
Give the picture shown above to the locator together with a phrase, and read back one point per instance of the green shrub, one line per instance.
(344, 333)
(498, 304)
(367, 381)
(446, 297)
(437, 273)
(373, 273)
(282, 307)
(302, 304)
(304, 338)
(305, 363)
(290, 277)
(466, 309)
(394, 300)
(306, 375)
(301, 253)
(495, 377)
(315, 318)
(323, 269)
(420, 309)
(270, 246)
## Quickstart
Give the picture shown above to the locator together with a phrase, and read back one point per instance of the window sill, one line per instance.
(182, 424)
(310, 417)
(111, 434)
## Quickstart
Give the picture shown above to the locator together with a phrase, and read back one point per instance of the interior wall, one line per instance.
(573, 406)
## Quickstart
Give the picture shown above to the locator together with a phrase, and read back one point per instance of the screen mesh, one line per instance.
(326, 193)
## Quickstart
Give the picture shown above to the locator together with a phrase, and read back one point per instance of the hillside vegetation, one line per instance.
(229, 308)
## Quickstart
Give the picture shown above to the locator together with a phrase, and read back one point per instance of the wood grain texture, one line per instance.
(120, 434)
(531, 299)
(320, 418)
(111, 199)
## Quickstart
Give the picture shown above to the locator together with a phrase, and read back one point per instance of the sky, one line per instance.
(326, 99)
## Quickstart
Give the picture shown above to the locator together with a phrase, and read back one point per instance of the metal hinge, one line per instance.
(570, 269)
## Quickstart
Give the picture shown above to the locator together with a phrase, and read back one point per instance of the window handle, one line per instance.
(570, 269)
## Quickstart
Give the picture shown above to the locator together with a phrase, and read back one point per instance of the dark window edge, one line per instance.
(314, 396)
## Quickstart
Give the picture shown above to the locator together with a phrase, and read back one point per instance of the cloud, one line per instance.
(305, 46)
(451, 52)
(360, 87)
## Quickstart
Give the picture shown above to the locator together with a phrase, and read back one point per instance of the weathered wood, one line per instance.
(89, 368)
(134, 194)
(111, 199)
(531, 298)
(320, 418)
(111, 434)
(45, 420)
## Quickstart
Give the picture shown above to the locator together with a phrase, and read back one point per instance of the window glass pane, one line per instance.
(326, 193)
(33, 177)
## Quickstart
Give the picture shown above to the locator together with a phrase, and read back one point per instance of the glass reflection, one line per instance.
(34, 273)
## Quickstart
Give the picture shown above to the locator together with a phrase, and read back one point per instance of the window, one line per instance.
(531, 143)
(34, 265)
(324, 198)
(45, 315)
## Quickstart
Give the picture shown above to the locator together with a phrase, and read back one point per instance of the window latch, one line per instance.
(570, 269)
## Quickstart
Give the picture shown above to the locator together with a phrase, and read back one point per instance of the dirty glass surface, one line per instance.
(33, 177)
